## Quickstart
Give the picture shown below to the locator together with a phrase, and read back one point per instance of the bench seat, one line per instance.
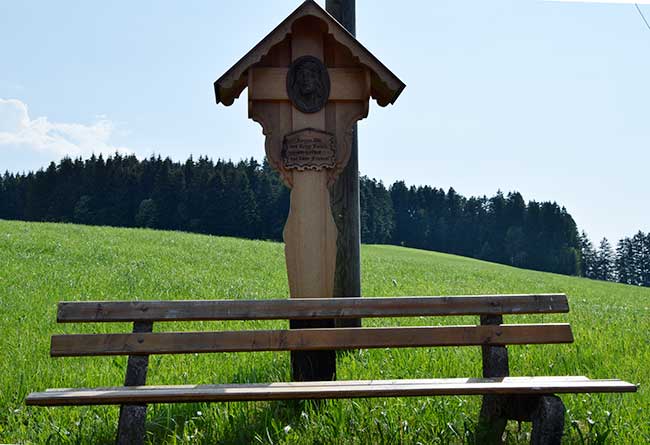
(326, 390)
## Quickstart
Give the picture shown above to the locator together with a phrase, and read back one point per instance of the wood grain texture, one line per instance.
(306, 339)
(327, 390)
(312, 308)
(310, 237)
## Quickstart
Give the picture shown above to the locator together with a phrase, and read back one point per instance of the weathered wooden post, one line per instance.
(309, 81)
(345, 195)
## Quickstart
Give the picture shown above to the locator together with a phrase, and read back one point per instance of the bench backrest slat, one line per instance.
(309, 308)
(307, 339)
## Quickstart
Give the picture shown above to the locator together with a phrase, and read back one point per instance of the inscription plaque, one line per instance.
(308, 84)
(309, 149)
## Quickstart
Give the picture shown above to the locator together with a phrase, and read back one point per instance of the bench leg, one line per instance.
(131, 429)
(548, 421)
(491, 422)
(545, 412)
(493, 418)
(309, 366)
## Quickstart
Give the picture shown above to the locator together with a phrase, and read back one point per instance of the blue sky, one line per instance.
(551, 99)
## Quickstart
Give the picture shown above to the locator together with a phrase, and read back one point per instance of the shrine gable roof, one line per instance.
(385, 86)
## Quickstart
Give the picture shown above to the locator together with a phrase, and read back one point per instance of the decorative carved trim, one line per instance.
(344, 126)
(275, 119)
(385, 89)
(272, 142)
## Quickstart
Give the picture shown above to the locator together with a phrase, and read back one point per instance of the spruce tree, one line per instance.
(624, 261)
(588, 256)
(604, 265)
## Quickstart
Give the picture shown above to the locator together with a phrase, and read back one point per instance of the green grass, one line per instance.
(41, 264)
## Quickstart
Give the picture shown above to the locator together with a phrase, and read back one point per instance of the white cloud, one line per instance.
(41, 137)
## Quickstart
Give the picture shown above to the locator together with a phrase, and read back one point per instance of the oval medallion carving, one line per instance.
(308, 84)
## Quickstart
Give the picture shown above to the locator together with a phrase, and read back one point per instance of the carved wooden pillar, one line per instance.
(310, 226)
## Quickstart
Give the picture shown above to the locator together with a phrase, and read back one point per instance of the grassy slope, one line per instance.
(41, 264)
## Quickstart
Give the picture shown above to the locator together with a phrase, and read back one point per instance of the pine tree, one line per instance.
(588, 256)
(624, 261)
(400, 196)
(641, 259)
(645, 262)
(604, 264)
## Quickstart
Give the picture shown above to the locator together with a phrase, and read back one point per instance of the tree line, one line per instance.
(247, 199)
(242, 200)
(629, 263)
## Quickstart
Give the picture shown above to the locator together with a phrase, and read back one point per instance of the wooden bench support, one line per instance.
(310, 366)
(492, 422)
(548, 421)
(131, 427)
(545, 412)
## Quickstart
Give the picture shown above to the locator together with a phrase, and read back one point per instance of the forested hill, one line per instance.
(247, 199)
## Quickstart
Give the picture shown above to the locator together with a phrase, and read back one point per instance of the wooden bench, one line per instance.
(519, 398)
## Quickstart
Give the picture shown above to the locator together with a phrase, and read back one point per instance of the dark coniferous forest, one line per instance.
(247, 199)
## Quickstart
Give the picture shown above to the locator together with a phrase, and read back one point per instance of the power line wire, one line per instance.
(642, 16)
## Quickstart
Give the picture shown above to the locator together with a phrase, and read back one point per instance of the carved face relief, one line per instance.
(308, 84)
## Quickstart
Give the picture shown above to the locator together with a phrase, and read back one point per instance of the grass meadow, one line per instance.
(41, 264)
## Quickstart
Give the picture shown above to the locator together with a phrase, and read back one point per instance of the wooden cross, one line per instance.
(309, 81)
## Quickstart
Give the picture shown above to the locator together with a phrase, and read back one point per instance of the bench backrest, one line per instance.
(490, 332)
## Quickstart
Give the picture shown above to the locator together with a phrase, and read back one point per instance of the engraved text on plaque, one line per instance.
(309, 149)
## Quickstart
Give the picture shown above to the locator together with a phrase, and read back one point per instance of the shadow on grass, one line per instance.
(223, 422)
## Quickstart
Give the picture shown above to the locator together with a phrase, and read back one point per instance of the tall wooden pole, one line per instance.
(345, 195)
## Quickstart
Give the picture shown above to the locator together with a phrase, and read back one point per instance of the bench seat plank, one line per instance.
(326, 390)
(307, 339)
(309, 308)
